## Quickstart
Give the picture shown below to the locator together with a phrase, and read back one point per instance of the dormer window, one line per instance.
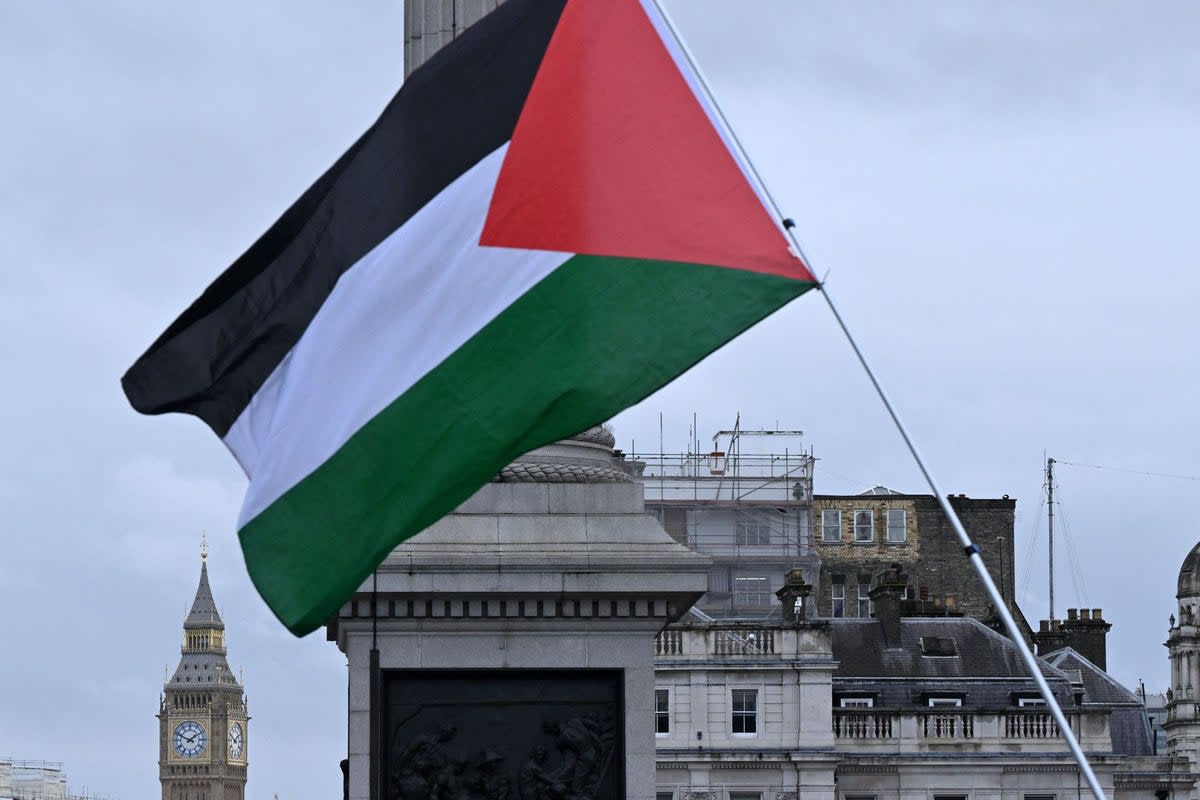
(1031, 702)
(856, 702)
(935, 702)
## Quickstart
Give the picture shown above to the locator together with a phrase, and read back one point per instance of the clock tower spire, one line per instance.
(202, 719)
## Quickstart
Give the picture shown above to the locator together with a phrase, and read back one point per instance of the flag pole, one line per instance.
(970, 549)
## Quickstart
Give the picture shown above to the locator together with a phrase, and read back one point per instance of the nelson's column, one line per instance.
(202, 721)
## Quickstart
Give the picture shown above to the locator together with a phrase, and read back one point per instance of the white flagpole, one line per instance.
(970, 549)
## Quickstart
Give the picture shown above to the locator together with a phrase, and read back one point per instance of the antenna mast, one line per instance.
(1050, 527)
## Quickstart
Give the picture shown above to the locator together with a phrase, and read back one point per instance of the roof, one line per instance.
(1098, 685)
(204, 610)
(1131, 731)
(1189, 573)
(879, 489)
(987, 668)
(206, 667)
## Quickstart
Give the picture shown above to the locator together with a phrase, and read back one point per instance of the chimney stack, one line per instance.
(794, 596)
(885, 594)
(1087, 634)
(1084, 631)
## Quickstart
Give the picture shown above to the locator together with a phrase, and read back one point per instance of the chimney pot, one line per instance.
(1044, 626)
(1085, 613)
(1096, 615)
(1072, 614)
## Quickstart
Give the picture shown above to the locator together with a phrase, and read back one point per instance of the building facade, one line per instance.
(32, 780)
(204, 726)
(895, 707)
(746, 504)
(749, 505)
(1182, 724)
(857, 536)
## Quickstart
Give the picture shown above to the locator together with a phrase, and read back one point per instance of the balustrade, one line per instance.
(862, 725)
(947, 726)
(668, 643)
(1036, 725)
(719, 642)
(737, 643)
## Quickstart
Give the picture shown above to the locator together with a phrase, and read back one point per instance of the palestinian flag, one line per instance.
(546, 225)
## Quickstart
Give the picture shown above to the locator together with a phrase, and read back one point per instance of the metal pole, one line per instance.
(970, 549)
(1050, 527)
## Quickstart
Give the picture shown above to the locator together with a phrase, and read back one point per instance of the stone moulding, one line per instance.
(512, 607)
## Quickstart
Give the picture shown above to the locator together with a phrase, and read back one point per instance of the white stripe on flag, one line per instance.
(392, 318)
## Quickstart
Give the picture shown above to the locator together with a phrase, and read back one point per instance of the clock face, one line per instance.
(237, 740)
(189, 739)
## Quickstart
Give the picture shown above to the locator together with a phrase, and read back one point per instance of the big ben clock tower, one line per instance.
(203, 727)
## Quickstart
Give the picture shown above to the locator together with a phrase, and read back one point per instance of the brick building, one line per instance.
(857, 536)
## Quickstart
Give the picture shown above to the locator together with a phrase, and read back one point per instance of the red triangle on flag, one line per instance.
(613, 155)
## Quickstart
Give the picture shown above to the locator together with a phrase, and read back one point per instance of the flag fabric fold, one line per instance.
(544, 226)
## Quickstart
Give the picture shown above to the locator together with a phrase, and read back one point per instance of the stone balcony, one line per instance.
(750, 641)
(941, 730)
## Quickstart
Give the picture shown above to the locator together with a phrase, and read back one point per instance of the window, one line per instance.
(755, 532)
(1039, 797)
(950, 797)
(831, 525)
(745, 796)
(664, 796)
(858, 797)
(751, 590)
(864, 596)
(837, 591)
(745, 711)
(864, 526)
(662, 712)
(897, 531)
(934, 702)
(856, 702)
(1026, 702)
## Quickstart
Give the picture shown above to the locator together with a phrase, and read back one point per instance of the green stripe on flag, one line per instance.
(585, 343)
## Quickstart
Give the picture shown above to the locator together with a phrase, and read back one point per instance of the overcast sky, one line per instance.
(1003, 196)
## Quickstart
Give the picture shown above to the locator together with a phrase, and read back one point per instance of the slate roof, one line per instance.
(986, 671)
(204, 610)
(1131, 732)
(205, 669)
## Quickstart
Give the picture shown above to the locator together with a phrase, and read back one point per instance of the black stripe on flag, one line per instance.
(460, 106)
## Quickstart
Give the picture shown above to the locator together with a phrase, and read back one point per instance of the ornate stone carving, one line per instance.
(546, 472)
(600, 434)
(444, 743)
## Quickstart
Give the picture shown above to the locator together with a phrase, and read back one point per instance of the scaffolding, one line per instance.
(733, 471)
(28, 779)
(747, 503)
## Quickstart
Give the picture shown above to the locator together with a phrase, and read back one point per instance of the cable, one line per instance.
(1027, 568)
(1132, 471)
(1073, 556)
